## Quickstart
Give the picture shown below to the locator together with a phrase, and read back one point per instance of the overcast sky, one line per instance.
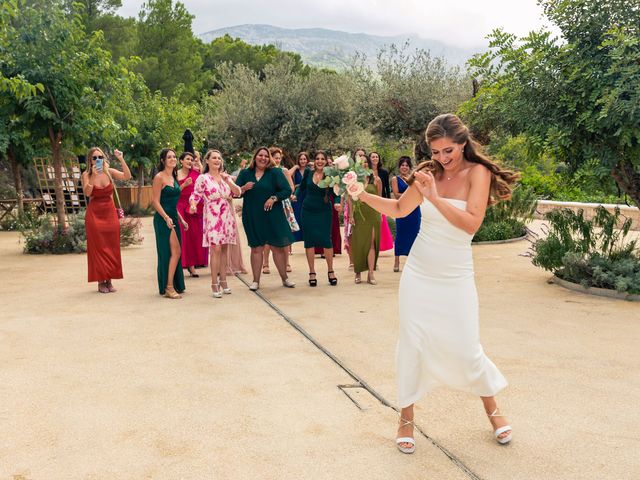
(460, 22)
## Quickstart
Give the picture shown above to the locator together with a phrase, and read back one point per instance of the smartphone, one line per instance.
(99, 164)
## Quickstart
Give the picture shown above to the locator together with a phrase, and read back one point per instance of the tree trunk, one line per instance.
(17, 178)
(55, 138)
(140, 184)
(628, 179)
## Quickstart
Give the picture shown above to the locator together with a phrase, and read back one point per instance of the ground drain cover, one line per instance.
(360, 396)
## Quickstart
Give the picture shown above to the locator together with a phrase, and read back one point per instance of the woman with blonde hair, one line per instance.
(439, 328)
(101, 220)
(219, 230)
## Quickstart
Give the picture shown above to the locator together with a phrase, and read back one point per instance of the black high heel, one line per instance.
(312, 281)
(332, 281)
(192, 274)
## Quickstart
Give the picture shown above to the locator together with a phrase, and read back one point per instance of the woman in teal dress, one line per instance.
(263, 188)
(365, 236)
(166, 193)
(317, 216)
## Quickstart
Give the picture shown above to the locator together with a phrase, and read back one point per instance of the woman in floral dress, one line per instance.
(220, 230)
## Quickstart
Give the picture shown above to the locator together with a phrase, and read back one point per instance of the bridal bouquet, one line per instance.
(346, 175)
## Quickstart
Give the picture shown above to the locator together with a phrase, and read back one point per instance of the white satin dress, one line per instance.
(439, 339)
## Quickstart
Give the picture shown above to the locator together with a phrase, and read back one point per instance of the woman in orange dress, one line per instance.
(101, 220)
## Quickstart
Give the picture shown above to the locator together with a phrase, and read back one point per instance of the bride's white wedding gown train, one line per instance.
(439, 339)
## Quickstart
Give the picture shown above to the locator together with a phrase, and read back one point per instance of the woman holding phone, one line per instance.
(101, 220)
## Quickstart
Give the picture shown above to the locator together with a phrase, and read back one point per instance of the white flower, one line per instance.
(336, 189)
(350, 178)
(342, 162)
(355, 189)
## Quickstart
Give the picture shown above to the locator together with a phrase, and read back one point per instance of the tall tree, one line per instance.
(408, 89)
(577, 96)
(52, 48)
(169, 51)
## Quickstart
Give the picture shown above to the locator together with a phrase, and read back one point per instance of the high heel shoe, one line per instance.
(371, 281)
(332, 281)
(313, 281)
(225, 288)
(288, 283)
(169, 292)
(110, 286)
(215, 288)
(192, 273)
(409, 440)
(265, 269)
(499, 431)
(358, 279)
(102, 287)
(254, 286)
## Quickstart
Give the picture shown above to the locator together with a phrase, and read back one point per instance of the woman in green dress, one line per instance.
(263, 188)
(166, 193)
(365, 236)
(317, 216)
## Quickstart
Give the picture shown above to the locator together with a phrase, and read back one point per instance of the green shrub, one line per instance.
(593, 253)
(29, 218)
(45, 237)
(506, 220)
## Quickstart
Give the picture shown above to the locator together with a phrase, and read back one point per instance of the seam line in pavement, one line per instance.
(451, 456)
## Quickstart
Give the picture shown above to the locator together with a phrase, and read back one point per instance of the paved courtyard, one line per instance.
(133, 386)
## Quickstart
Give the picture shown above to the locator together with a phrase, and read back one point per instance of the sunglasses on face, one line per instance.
(97, 157)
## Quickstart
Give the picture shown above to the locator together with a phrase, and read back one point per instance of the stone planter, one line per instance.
(600, 292)
(498, 242)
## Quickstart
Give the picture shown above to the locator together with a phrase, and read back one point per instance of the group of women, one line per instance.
(438, 208)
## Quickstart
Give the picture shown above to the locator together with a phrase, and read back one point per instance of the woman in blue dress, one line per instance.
(297, 173)
(407, 227)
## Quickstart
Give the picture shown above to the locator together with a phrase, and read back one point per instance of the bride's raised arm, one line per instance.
(399, 208)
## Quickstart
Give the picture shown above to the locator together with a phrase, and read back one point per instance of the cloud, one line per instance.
(462, 23)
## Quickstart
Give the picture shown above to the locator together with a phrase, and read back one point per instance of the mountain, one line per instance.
(335, 49)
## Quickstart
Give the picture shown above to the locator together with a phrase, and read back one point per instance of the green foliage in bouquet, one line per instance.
(342, 166)
(593, 253)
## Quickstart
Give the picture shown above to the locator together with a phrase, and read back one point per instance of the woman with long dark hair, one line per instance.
(406, 227)
(166, 193)
(192, 249)
(439, 328)
(101, 220)
(317, 216)
(365, 234)
(264, 187)
(296, 173)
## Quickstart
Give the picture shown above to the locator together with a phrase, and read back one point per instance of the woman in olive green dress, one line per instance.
(317, 216)
(365, 236)
(166, 193)
(263, 188)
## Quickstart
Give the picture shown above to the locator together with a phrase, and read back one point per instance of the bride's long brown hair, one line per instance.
(450, 126)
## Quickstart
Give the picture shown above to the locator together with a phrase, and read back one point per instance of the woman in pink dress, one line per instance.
(203, 252)
(220, 230)
(192, 237)
(375, 163)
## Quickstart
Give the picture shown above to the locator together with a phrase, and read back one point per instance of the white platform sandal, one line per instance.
(501, 430)
(411, 440)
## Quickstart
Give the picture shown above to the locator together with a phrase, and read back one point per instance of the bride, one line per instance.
(439, 340)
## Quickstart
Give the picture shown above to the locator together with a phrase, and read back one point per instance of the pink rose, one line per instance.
(342, 162)
(350, 178)
(336, 189)
(355, 189)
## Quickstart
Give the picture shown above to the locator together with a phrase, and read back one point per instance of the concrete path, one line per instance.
(131, 385)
